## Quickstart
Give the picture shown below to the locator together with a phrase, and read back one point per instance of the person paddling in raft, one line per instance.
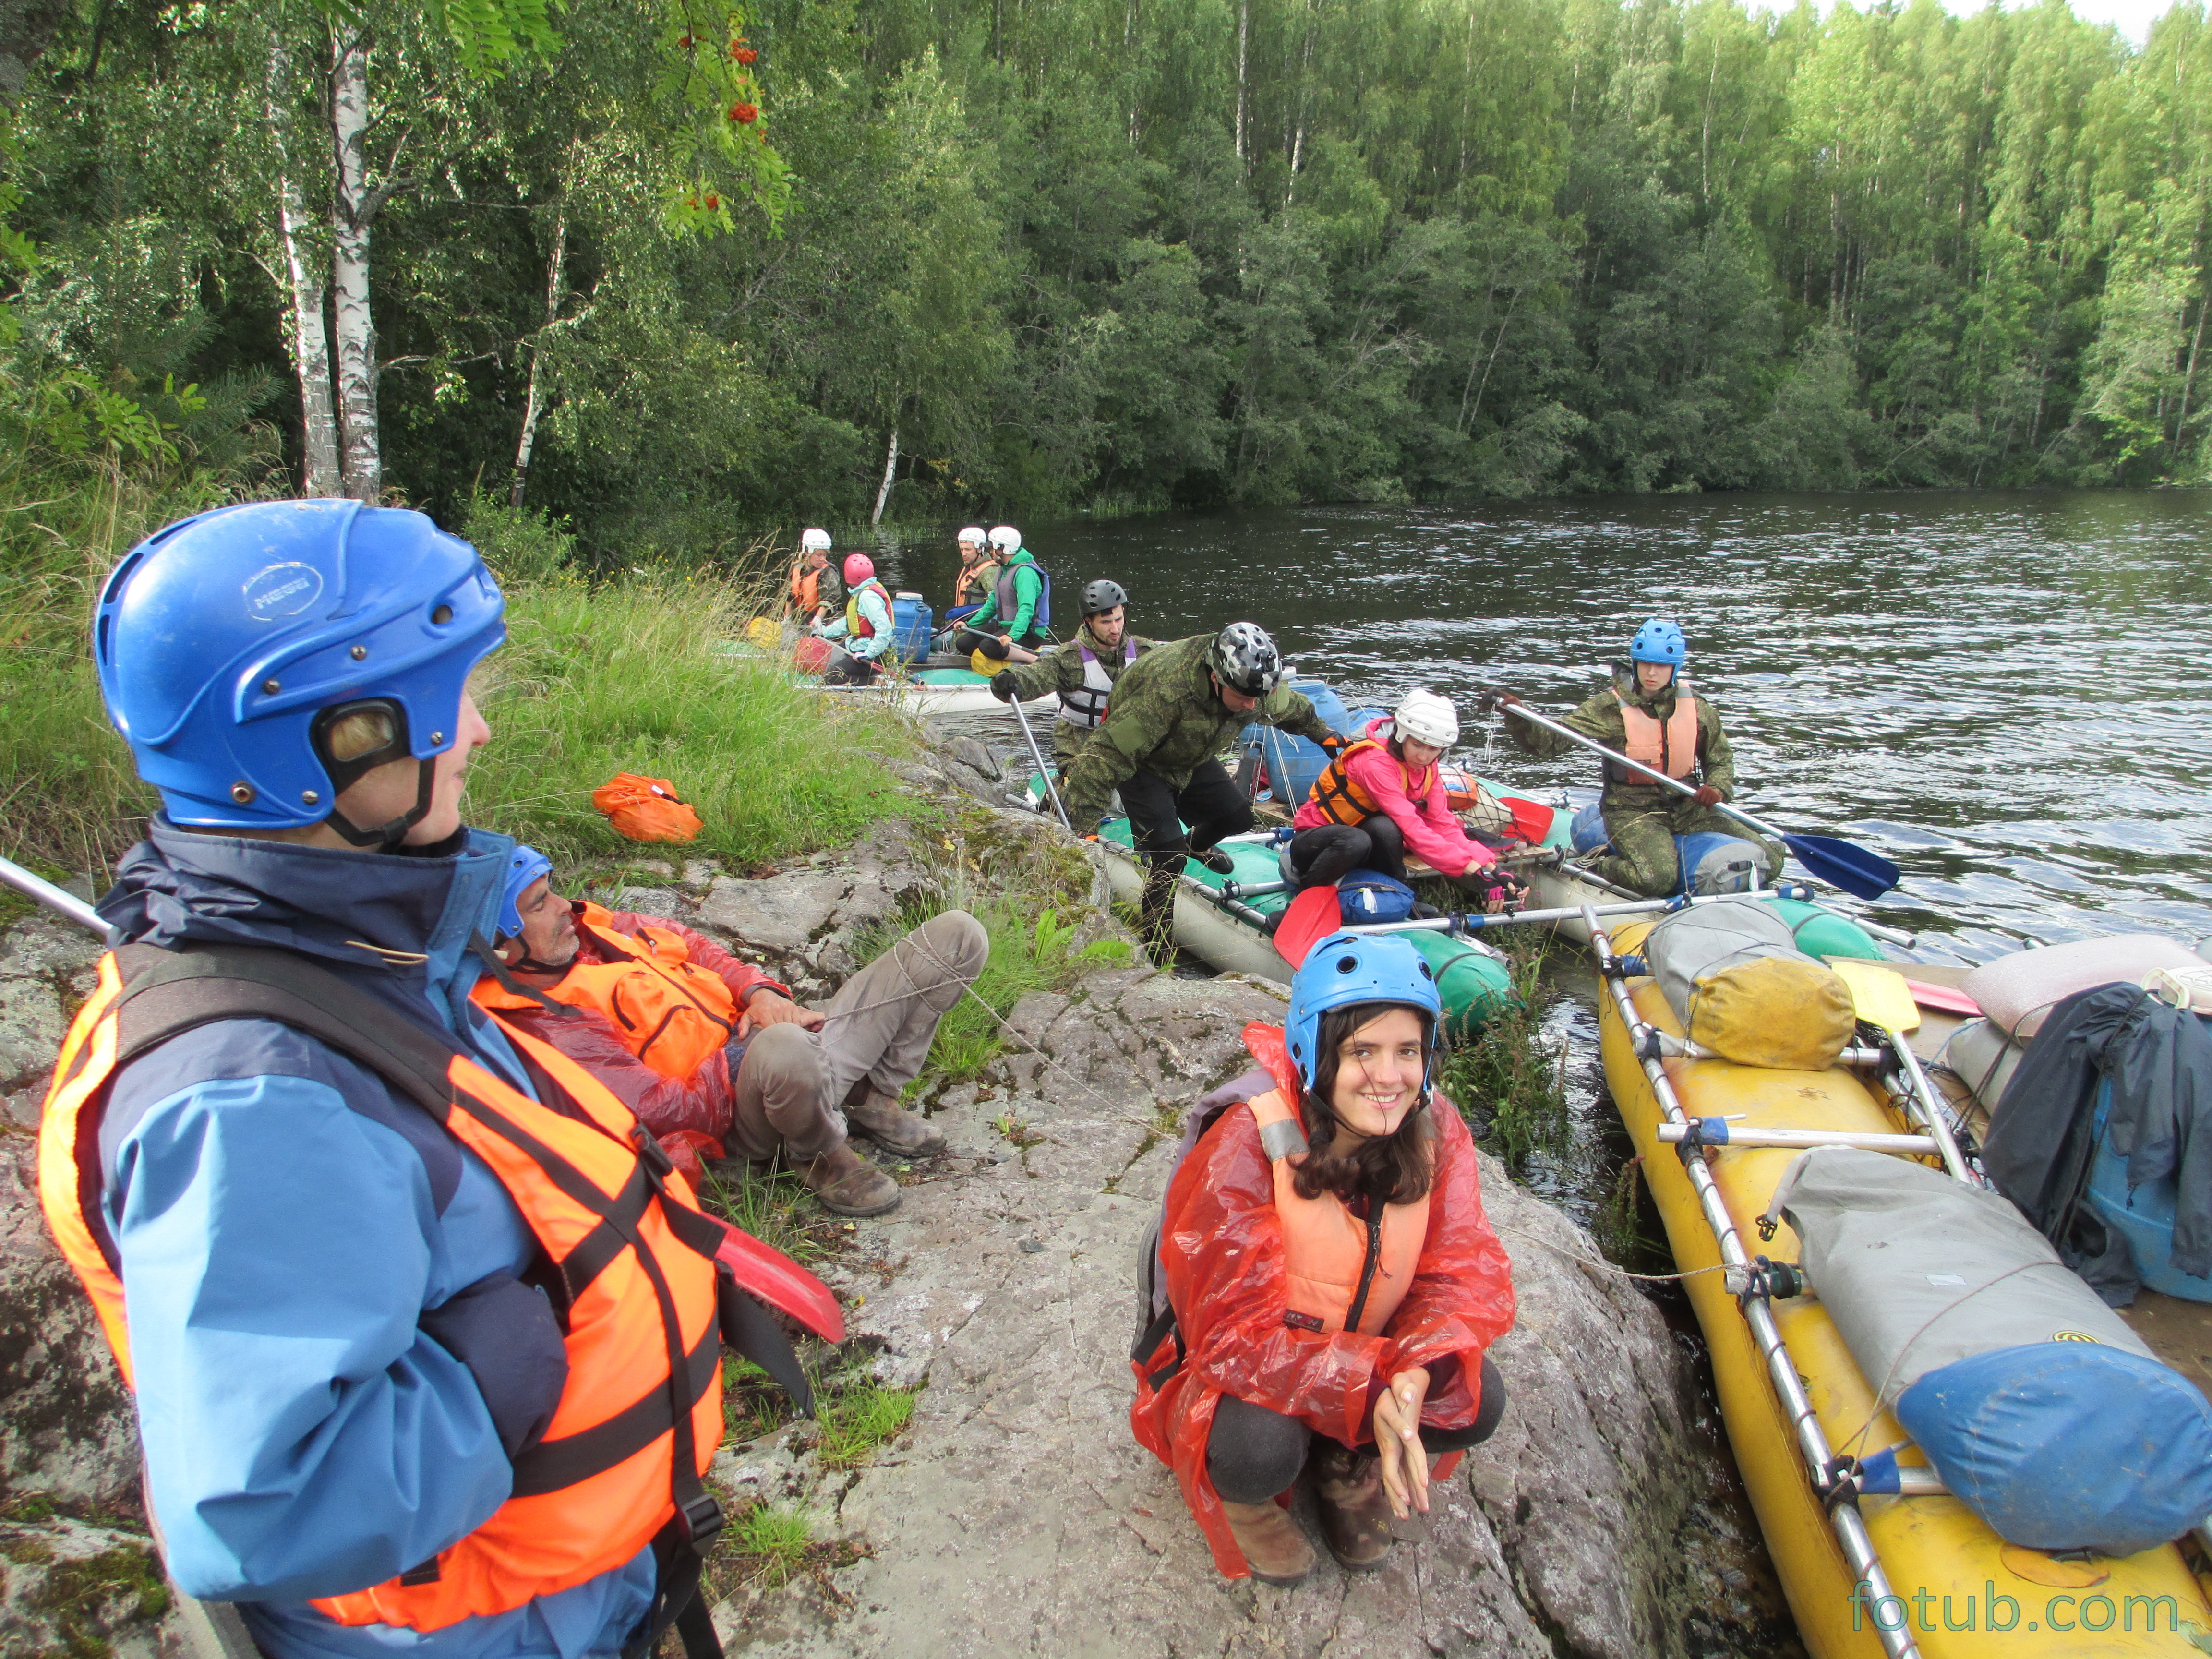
(1084, 671)
(979, 575)
(1006, 628)
(1326, 1288)
(866, 630)
(712, 1056)
(1650, 714)
(1382, 798)
(1171, 712)
(817, 595)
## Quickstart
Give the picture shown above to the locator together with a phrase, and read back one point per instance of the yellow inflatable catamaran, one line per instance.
(1866, 1575)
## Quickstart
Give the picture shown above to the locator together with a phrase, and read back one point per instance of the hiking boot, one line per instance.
(1355, 1511)
(848, 1184)
(1217, 861)
(1273, 1547)
(869, 1111)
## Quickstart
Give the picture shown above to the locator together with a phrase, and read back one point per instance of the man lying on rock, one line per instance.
(712, 1056)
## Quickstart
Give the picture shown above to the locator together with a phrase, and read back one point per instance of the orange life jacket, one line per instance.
(669, 1011)
(1344, 1273)
(629, 1266)
(1346, 801)
(1670, 746)
(805, 589)
(975, 579)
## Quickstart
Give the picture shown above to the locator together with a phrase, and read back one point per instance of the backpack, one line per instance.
(1368, 896)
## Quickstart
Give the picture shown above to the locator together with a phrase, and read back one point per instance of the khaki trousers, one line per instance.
(791, 1083)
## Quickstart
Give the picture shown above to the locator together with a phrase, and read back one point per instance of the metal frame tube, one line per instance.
(54, 898)
(1850, 1529)
(1675, 1133)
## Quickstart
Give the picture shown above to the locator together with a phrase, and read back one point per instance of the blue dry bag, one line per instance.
(1368, 895)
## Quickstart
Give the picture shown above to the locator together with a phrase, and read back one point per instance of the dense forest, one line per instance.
(669, 274)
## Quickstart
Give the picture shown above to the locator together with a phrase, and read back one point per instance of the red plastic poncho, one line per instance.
(1221, 1248)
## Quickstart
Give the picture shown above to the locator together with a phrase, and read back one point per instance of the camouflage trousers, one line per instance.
(1643, 855)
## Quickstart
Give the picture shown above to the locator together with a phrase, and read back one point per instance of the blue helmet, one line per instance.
(228, 642)
(1344, 969)
(524, 865)
(1659, 642)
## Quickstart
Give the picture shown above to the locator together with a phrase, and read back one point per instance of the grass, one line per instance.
(763, 1547)
(592, 682)
(860, 1420)
(776, 1209)
(1508, 1082)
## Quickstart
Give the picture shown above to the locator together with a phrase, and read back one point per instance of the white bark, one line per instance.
(533, 401)
(890, 475)
(351, 210)
(1243, 34)
(309, 336)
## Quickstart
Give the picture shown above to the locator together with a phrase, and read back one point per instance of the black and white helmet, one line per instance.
(1244, 658)
(1103, 595)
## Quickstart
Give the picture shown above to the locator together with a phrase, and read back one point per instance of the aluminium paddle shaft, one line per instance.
(1038, 754)
(54, 898)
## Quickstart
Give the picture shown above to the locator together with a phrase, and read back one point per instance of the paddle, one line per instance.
(54, 898)
(1038, 754)
(1313, 916)
(1840, 863)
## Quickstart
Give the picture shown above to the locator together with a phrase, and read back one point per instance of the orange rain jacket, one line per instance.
(1222, 1251)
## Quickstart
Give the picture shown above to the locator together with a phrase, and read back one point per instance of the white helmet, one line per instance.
(1006, 537)
(811, 539)
(1426, 717)
(972, 533)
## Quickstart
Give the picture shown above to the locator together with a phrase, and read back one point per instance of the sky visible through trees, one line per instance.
(672, 273)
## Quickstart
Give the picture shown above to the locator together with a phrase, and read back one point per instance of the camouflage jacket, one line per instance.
(1060, 669)
(1166, 719)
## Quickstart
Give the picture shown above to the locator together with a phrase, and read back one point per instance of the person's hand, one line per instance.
(1003, 687)
(765, 1008)
(1398, 1441)
(1506, 699)
(1708, 796)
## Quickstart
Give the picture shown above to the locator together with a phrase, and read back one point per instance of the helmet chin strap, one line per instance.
(389, 834)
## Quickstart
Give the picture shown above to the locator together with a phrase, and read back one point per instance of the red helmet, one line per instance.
(859, 567)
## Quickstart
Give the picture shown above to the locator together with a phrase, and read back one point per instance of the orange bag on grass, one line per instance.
(646, 809)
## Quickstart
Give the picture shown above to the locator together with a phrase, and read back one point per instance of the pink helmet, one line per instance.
(859, 567)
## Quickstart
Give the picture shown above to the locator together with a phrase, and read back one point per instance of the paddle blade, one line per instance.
(1313, 916)
(1532, 820)
(1944, 999)
(1879, 994)
(1842, 864)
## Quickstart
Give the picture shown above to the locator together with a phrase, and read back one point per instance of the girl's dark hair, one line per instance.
(1395, 1169)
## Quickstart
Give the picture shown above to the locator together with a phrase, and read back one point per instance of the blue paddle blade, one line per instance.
(1845, 865)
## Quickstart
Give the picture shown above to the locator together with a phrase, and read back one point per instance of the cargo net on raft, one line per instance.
(1483, 812)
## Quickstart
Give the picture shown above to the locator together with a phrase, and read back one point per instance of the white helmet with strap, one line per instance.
(1005, 538)
(1425, 717)
(972, 533)
(809, 540)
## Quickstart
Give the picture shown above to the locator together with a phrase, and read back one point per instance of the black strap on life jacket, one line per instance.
(1334, 784)
(167, 992)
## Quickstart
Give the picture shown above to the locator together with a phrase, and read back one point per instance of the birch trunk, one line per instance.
(351, 213)
(533, 403)
(1243, 35)
(890, 475)
(310, 335)
(2189, 377)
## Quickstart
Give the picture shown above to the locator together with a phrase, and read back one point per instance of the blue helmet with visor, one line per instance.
(233, 644)
(1347, 968)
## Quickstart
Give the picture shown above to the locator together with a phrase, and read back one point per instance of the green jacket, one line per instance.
(1599, 718)
(1166, 720)
(1029, 587)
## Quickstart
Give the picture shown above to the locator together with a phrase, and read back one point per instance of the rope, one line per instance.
(1611, 1267)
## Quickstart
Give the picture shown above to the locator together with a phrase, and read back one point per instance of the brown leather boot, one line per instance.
(1355, 1511)
(1275, 1548)
(848, 1184)
(869, 1111)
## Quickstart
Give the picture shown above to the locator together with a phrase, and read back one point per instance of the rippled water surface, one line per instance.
(2006, 694)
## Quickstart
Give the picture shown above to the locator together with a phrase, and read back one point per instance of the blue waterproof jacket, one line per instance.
(292, 1231)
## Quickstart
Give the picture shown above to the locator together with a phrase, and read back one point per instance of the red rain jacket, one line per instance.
(1221, 1248)
(701, 1102)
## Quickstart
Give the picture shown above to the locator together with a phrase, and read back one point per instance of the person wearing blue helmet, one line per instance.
(1648, 713)
(304, 1179)
(1323, 1285)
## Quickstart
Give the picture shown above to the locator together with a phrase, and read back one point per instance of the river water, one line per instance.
(2005, 694)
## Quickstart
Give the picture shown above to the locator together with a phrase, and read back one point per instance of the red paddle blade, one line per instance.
(782, 1283)
(1532, 820)
(1313, 916)
(1942, 998)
